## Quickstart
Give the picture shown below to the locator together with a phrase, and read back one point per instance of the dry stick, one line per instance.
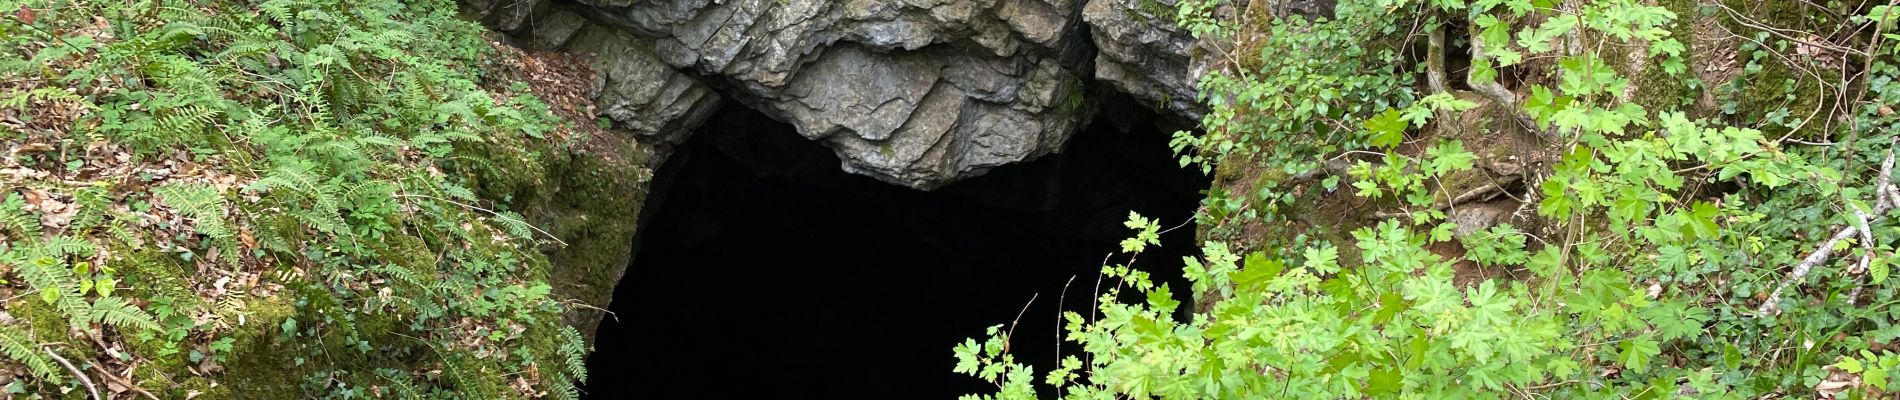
(1019, 318)
(1060, 301)
(81, 375)
(1883, 198)
(1771, 305)
(1481, 193)
(122, 381)
(1745, 21)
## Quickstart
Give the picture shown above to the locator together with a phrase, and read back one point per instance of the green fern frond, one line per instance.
(400, 385)
(573, 353)
(515, 225)
(93, 204)
(193, 200)
(117, 312)
(565, 390)
(15, 218)
(65, 246)
(20, 347)
(278, 11)
(397, 273)
(57, 286)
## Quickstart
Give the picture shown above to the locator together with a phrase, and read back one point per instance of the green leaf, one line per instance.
(1849, 364)
(1386, 129)
(1258, 271)
(1384, 381)
(104, 286)
(1637, 352)
(1448, 156)
(1878, 269)
(1700, 222)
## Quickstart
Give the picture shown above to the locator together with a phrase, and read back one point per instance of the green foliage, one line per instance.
(1652, 236)
(325, 145)
(17, 346)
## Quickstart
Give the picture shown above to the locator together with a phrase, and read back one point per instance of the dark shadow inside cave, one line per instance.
(764, 271)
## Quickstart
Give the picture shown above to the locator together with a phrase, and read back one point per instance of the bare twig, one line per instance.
(69, 367)
(1059, 320)
(122, 381)
(1748, 22)
(1771, 306)
(1487, 191)
(1019, 318)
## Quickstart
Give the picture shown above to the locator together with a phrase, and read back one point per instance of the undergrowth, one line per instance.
(1662, 250)
(180, 175)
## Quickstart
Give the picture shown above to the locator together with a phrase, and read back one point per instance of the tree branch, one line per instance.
(1882, 204)
(69, 367)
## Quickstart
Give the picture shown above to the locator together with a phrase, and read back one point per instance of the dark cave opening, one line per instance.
(764, 270)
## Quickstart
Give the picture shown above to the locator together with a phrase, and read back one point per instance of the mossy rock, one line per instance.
(595, 209)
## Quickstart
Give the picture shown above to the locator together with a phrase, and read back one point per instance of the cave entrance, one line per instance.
(763, 271)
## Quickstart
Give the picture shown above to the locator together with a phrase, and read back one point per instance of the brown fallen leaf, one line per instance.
(25, 15)
(1837, 381)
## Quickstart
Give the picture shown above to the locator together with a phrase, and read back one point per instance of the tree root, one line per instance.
(1491, 89)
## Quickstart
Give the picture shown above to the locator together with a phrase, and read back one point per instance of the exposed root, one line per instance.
(1497, 93)
(1435, 61)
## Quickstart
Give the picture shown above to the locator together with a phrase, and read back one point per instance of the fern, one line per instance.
(66, 246)
(565, 390)
(93, 205)
(320, 207)
(15, 218)
(194, 201)
(515, 225)
(205, 206)
(115, 311)
(400, 386)
(573, 349)
(57, 286)
(20, 347)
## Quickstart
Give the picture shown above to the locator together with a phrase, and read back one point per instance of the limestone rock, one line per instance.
(915, 92)
(1140, 51)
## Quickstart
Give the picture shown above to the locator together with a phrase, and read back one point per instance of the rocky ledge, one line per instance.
(916, 92)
